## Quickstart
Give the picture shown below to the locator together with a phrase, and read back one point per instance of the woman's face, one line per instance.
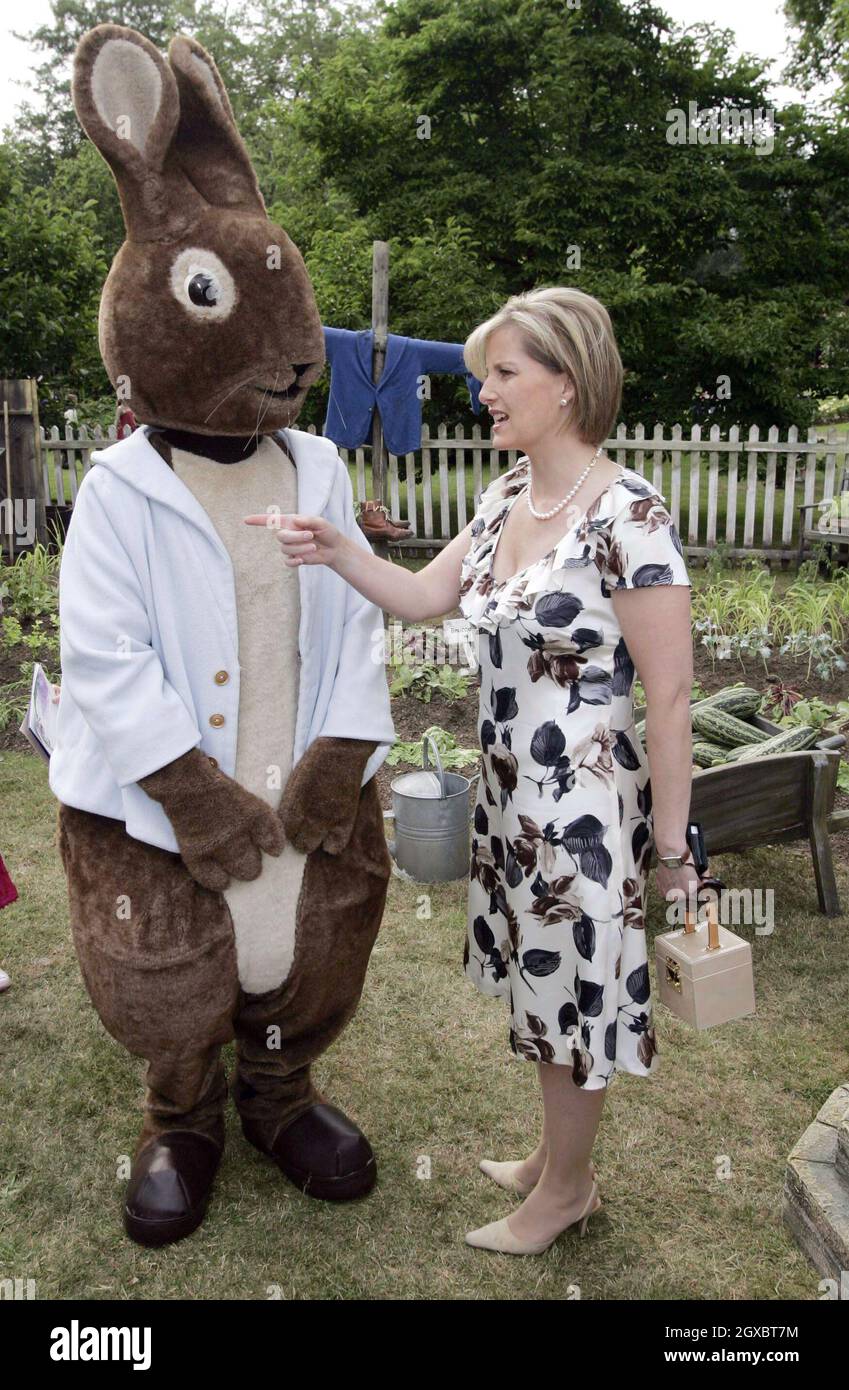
(522, 396)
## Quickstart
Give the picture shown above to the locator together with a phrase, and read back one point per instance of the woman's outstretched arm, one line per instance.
(434, 590)
(428, 593)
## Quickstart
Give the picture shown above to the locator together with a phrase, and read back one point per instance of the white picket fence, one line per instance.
(759, 514)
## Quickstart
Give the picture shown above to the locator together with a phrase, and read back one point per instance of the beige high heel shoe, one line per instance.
(505, 1175)
(498, 1235)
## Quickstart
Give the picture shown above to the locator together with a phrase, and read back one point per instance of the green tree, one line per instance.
(503, 144)
(261, 52)
(545, 135)
(822, 49)
(50, 126)
(51, 268)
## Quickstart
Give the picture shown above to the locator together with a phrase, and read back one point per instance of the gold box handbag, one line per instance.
(704, 971)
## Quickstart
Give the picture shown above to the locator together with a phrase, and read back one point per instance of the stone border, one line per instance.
(816, 1188)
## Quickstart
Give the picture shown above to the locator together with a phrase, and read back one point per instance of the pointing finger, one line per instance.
(276, 519)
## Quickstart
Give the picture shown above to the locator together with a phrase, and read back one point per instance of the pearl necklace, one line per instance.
(543, 516)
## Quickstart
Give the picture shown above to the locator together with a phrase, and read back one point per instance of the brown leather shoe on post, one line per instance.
(374, 520)
(323, 1153)
(169, 1186)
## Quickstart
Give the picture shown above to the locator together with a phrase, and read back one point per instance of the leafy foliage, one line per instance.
(427, 679)
(52, 267)
(497, 145)
(450, 755)
(739, 616)
(823, 46)
(29, 626)
(548, 133)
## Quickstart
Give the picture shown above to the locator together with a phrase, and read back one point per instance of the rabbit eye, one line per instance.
(202, 284)
(203, 289)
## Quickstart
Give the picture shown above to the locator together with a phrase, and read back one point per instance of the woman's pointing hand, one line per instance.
(305, 540)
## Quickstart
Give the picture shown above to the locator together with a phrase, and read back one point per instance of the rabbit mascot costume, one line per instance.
(222, 714)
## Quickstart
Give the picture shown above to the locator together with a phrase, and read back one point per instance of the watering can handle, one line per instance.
(428, 739)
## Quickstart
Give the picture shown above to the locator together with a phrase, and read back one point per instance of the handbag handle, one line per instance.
(696, 841)
(715, 886)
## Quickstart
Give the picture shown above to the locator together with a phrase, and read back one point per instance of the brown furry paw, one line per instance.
(322, 795)
(220, 827)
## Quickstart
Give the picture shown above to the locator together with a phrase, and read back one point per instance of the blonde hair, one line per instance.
(566, 331)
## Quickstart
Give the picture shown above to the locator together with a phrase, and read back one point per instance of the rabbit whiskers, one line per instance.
(263, 408)
(227, 394)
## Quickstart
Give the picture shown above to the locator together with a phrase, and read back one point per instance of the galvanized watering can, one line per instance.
(431, 814)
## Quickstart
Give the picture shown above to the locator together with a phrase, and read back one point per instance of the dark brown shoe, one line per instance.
(375, 521)
(323, 1153)
(169, 1186)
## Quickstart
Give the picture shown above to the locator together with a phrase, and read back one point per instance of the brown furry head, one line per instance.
(208, 320)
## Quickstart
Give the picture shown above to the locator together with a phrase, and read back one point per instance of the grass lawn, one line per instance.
(426, 1070)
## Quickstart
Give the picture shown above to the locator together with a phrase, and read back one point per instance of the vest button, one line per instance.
(221, 677)
(216, 720)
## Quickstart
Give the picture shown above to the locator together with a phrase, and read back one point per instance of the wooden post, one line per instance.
(9, 527)
(380, 327)
(21, 475)
(820, 796)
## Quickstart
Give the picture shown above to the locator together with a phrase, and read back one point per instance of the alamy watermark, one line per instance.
(726, 125)
(734, 907)
(17, 518)
(455, 645)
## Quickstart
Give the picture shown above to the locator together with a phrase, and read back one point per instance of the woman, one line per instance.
(555, 572)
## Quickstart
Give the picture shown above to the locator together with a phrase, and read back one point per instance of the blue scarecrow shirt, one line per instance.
(353, 394)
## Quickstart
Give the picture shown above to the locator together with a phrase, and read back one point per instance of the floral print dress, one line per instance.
(563, 819)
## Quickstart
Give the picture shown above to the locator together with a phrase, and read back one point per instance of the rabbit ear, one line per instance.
(127, 101)
(208, 145)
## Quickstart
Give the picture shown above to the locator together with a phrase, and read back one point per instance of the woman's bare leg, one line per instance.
(530, 1169)
(571, 1120)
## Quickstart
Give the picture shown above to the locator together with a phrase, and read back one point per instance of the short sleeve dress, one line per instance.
(563, 818)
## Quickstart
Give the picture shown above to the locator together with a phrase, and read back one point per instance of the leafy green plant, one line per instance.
(427, 680)
(30, 594)
(13, 633)
(41, 643)
(783, 705)
(740, 616)
(822, 557)
(718, 562)
(787, 707)
(450, 755)
(416, 673)
(30, 585)
(13, 703)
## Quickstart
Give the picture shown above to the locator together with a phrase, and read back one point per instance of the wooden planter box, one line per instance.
(786, 796)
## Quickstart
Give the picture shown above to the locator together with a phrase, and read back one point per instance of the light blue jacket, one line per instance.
(147, 610)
